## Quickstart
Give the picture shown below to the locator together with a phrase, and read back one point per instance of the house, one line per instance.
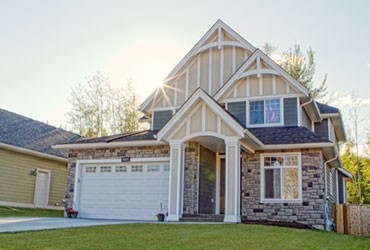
(232, 135)
(32, 174)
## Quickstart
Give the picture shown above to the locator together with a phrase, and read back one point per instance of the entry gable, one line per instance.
(200, 116)
(259, 74)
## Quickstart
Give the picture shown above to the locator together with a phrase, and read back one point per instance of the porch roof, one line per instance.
(286, 135)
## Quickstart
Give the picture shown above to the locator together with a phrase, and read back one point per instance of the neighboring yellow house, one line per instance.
(32, 174)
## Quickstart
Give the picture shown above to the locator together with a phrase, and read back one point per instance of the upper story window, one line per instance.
(265, 112)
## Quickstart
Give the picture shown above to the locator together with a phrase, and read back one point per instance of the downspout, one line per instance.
(301, 110)
(306, 103)
(325, 193)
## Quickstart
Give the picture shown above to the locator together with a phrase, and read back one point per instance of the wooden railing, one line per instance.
(353, 219)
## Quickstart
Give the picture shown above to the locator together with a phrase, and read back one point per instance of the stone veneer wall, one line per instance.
(108, 153)
(191, 178)
(310, 211)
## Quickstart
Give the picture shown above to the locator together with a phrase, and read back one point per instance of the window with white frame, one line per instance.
(281, 177)
(330, 182)
(265, 112)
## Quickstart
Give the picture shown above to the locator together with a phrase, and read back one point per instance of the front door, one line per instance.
(222, 186)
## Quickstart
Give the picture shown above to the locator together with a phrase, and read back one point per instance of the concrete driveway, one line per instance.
(19, 224)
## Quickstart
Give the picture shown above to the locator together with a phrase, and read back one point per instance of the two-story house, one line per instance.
(232, 136)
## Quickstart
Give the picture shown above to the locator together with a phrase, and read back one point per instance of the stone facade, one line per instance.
(191, 178)
(310, 211)
(108, 153)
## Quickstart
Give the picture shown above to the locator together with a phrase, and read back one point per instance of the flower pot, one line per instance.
(69, 215)
(160, 217)
(73, 216)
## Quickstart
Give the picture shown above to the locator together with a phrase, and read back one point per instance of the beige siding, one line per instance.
(16, 183)
(228, 62)
(196, 121)
(211, 120)
(181, 133)
(181, 89)
(216, 55)
(254, 86)
(204, 70)
(267, 85)
(193, 71)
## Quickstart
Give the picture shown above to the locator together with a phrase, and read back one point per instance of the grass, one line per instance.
(185, 236)
(29, 212)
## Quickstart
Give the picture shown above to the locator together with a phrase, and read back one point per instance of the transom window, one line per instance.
(265, 112)
(281, 177)
(121, 169)
(136, 168)
(105, 169)
(90, 170)
(166, 168)
(153, 168)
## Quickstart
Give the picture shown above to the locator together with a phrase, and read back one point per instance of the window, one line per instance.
(166, 168)
(90, 170)
(281, 177)
(136, 168)
(105, 169)
(121, 169)
(153, 168)
(330, 181)
(265, 112)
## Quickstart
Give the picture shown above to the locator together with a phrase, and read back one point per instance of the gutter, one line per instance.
(325, 193)
(108, 145)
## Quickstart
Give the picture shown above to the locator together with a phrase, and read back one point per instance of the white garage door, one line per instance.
(127, 191)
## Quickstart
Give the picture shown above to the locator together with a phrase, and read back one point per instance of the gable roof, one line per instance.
(219, 24)
(326, 109)
(200, 95)
(276, 70)
(22, 132)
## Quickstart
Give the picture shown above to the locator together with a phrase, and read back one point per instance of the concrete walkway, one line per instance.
(19, 224)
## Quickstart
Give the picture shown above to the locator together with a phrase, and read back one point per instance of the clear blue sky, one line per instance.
(47, 47)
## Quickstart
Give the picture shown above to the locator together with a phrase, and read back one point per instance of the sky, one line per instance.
(49, 47)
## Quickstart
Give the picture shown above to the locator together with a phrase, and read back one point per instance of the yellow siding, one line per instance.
(16, 183)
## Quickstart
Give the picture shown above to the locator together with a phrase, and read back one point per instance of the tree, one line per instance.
(268, 48)
(359, 163)
(100, 110)
(300, 67)
(303, 69)
(359, 167)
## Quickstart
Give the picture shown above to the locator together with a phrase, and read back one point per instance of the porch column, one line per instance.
(232, 187)
(176, 182)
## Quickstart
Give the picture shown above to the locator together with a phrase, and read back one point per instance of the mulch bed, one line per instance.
(279, 224)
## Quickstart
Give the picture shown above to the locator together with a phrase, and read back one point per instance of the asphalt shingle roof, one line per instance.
(326, 109)
(146, 135)
(23, 132)
(286, 135)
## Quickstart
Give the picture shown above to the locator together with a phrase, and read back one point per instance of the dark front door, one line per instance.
(222, 186)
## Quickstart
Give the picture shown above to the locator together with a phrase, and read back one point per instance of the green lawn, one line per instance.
(29, 212)
(185, 236)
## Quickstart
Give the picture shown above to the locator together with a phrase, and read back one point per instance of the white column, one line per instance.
(232, 184)
(176, 182)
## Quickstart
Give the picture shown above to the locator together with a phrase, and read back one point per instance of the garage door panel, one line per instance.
(124, 194)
